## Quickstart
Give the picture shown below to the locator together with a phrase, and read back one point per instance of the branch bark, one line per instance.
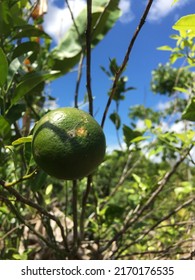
(141, 209)
(125, 60)
(88, 55)
(171, 213)
(41, 210)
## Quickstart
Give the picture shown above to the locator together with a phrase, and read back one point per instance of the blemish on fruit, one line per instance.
(81, 131)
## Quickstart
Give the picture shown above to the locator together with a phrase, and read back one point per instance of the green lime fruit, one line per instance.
(68, 143)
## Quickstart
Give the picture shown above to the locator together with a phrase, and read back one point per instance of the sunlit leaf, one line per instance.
(49, 189)
(22, 140)
(165, 48)
(130, 134)
(139, 139)
(186, 25)
(181, 90)
(148, 123)
(155, 151)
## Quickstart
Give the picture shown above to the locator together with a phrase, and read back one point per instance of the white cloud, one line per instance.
(163, 105)
(127, 14)
(112, 147)
(161, 8)
(58, 20)
(140, 124)
(177, 127)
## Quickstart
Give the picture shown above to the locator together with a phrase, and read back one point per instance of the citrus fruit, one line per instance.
(68, 143)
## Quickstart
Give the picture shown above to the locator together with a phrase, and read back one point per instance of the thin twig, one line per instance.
(74, 22)
(101, 17)
(41, 210)
(140, 210)
(170, 214)
(23, 221)
(125, 173)
(11, 231)
(78, 81)
(26, 177)
(88, 55)
(81, 58)
(125, 60)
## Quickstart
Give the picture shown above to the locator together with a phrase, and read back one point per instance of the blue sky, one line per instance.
(144, 58)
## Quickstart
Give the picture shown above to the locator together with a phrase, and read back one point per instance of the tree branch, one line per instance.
(140, 210)
(74, 22)
(26, 177)
(41, 210)
(88, 55)
(22, 220)
(78, 81)
(125, 60)
(171, 213)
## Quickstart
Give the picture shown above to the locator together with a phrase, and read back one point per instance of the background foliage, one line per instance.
(140, 201)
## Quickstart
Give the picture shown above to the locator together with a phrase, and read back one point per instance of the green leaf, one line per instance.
(115, 118)
(186, 25)
(165, 48)
(186, 137)
(38, 181)
(148, 123)
(6, 20)
(22, 140)
(155, 151)
(25, 48)
(139, 139)
(5, 129)
(189, 112)
(179, 89)
(113, 211)
(15, 113)
(175, 56)
(49, 189)
(30, 81)
(130, 134)
(29, 31)
(67, 53)
(3, 68)
(138, 180)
